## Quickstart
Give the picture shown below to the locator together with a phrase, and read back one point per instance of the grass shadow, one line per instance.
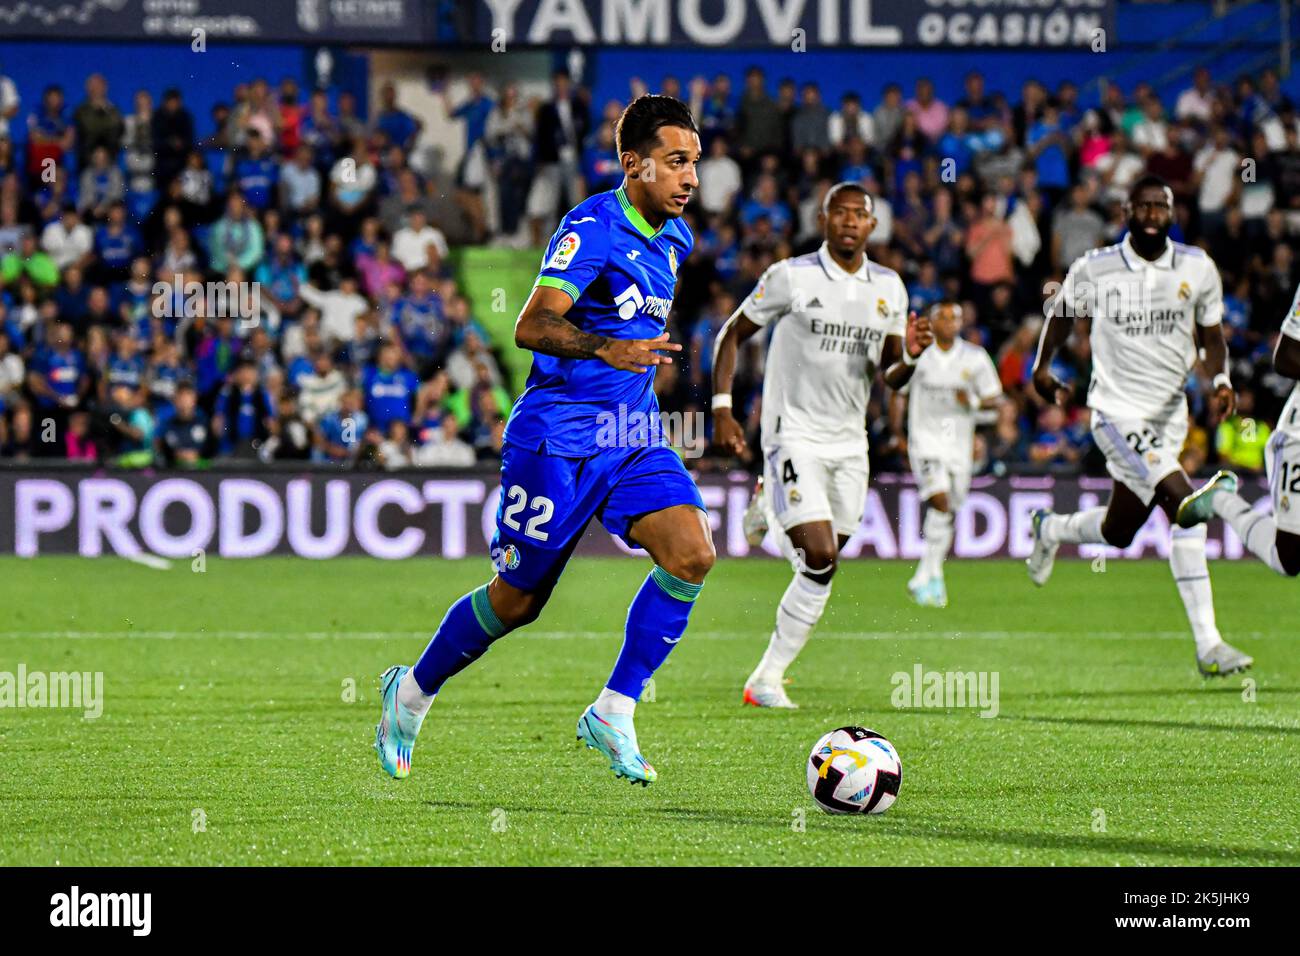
(1156, 724)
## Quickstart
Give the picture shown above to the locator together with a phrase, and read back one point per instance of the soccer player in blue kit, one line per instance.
(595, 322)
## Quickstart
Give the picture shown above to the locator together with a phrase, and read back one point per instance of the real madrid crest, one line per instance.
(1184, 291)
(882, 309)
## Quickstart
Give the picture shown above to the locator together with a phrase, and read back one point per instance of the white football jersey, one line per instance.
(825, 350)
(1143, 324)
(1289, 420)
(937, 424)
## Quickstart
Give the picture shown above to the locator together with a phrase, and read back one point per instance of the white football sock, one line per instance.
(612, 702)
(937, 534)
(1192, 575)
(800, 609)
(1082, 527)
(1256, 529)
(411, 697)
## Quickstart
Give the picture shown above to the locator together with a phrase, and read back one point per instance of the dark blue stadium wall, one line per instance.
(1246, 40)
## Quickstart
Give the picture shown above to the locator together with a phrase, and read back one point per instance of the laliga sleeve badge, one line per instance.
(564, 252)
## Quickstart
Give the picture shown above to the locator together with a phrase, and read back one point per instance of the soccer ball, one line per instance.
(854, 770)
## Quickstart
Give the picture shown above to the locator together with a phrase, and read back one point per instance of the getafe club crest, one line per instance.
(672, 261)
(505, 559)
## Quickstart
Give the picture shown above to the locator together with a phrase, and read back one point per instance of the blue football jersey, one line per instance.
(621, 274)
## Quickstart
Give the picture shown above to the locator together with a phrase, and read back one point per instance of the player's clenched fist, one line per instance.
(1051, 388)
(728, 436)
(636, 355)
(1225, 402)
(919, 334)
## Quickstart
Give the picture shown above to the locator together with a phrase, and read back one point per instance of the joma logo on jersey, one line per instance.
(631, 299)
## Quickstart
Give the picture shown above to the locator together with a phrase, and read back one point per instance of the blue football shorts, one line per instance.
(547, 502)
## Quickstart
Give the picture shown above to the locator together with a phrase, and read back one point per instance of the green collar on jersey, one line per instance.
(634, 217)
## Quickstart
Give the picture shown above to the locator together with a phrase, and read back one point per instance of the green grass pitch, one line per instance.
(229, 735)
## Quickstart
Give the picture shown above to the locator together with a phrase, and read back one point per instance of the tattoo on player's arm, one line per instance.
(556, 335)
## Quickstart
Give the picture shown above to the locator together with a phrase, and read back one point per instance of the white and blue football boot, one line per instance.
(615, 737)
(1198, 507)
(931, 593)
(398, 727)
(1043, 557)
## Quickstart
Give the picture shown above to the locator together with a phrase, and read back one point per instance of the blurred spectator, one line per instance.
(562, 126)
(1052, 444)
(812, 123)
(173, 136)
(236, 238)
(185, 435)
(68, 240)
(340, 434)
(1076, 228)
(396, 450)
(244, 414)
(131, 437)
(418, 245)
(389, 388)
(446, 450)
(399, 126)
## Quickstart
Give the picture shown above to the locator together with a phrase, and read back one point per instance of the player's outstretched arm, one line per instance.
(1215, 348)
(728, 434)
(1055, 333)
(542, 327)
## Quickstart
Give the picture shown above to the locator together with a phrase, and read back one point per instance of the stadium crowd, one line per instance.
(361, 349)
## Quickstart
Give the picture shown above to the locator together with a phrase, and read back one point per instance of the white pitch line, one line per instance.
(565, 635)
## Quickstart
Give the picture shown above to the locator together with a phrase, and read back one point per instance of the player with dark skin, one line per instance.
(846, 222)
(945, 322)
(679, 540)
(1150, 214)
